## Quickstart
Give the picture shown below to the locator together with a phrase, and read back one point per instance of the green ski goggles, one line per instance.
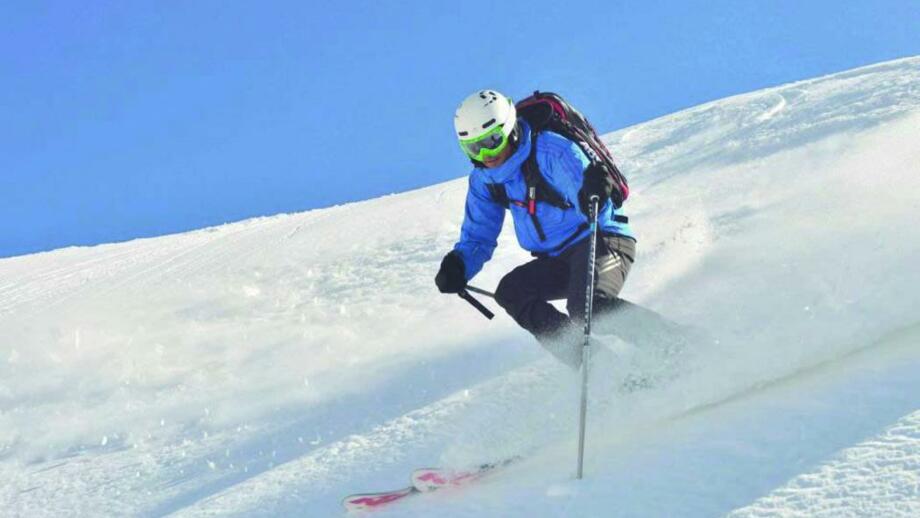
(489, 145)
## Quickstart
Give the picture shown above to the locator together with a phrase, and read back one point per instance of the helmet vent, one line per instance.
(489, 123)
(489, 96)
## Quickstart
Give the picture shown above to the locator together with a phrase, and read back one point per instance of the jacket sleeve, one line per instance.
(482, 223)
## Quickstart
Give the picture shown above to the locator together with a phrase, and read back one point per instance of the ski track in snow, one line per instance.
(271, 366)
(848, 485)
(152, 262)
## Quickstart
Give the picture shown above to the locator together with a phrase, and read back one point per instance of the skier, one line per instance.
(557, 234)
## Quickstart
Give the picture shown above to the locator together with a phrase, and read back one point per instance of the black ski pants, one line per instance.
(525, 291)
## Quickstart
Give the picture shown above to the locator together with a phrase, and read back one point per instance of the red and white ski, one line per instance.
(368, 501)
(424, 480)
(431, 479)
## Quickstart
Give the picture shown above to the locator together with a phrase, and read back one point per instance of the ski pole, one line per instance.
(585, 351)
(480, 291)
(476, 304)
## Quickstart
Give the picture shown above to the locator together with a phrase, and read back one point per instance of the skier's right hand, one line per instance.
(451, 278)
(597, 182)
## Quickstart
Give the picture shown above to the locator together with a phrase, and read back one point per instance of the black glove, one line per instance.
(597, 182)
(451, 278)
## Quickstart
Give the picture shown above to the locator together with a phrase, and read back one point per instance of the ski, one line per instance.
(431, 479)
(369, 501)
(424, 480)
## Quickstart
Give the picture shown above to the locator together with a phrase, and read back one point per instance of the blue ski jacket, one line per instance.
(562, 164)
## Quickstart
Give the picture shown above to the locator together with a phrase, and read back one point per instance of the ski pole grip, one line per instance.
(476, 304)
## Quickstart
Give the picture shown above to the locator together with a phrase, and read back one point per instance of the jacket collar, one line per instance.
(512, 166)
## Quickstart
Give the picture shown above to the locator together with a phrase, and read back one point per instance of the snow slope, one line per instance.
(270, 366)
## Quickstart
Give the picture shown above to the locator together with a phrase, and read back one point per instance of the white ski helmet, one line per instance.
(481, 111)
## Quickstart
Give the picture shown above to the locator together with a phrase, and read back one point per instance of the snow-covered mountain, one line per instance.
(271, 366)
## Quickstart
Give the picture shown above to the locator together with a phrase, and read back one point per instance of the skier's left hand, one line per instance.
(451, 277)
(597, 182)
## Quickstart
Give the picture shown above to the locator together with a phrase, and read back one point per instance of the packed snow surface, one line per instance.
(270, 367)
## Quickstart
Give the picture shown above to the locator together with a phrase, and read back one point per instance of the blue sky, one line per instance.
(130, 119)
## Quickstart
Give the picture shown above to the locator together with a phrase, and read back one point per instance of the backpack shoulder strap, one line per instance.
(541, 112)
(499, 194)
(537, 186)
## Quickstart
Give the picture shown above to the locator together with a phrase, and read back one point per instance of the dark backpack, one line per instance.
(548, 111)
